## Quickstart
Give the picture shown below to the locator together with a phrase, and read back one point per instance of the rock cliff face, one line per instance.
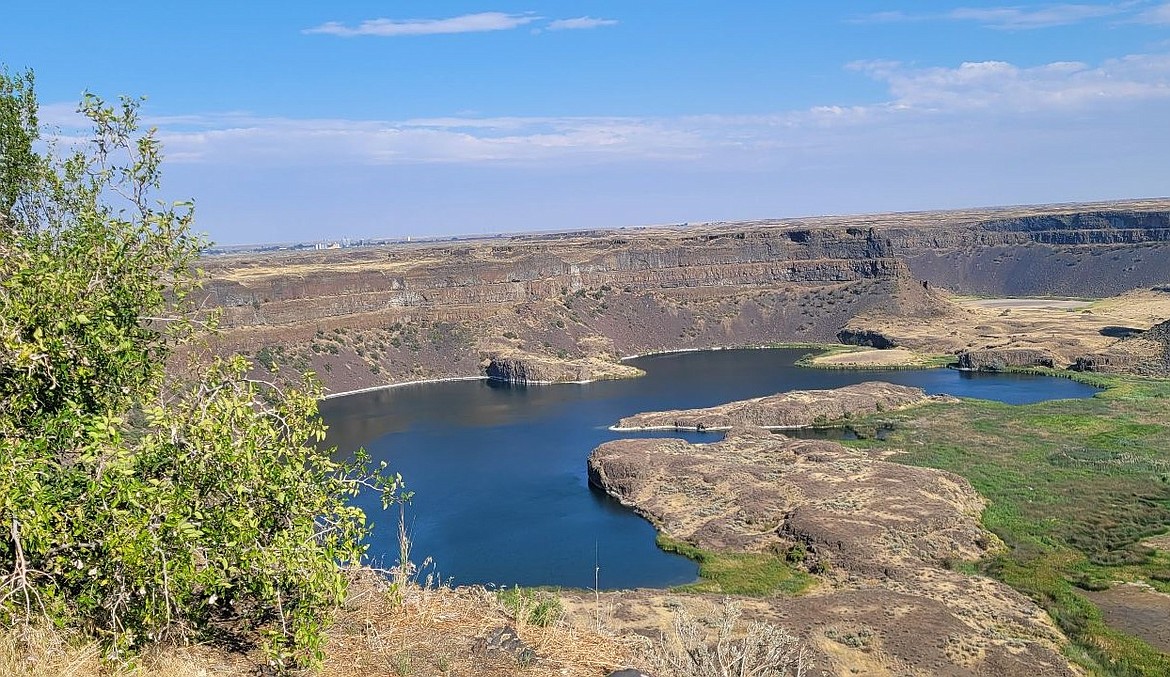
(1056, 251)
(1146, 354)
(882, 532)
(523, 270)
(600, 294)
(793, 409)
(1005, 358)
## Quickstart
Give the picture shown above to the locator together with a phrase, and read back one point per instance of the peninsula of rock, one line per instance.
(792, 409)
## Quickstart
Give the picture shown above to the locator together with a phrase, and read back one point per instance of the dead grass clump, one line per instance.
(44, 651)
(720, 646)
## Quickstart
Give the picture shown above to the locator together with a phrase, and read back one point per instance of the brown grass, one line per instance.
(415, 630)
(47, 652)
(434, 631)
(1066, 332)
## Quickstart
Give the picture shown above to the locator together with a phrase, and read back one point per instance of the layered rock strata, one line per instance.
(440, 309)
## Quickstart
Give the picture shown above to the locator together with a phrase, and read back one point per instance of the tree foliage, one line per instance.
(134, 505)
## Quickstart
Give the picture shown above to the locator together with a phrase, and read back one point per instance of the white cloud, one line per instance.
(926, 109)
(987, 132)
(468, 23)
(581, 22)
(1062, 86)
(259, 140)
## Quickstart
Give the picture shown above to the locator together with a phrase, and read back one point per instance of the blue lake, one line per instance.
(498, 472)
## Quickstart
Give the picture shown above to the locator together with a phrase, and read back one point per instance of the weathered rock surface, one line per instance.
(1146, 353)
(999, 359)
(793, 409)
(755, 489)
(885, 531)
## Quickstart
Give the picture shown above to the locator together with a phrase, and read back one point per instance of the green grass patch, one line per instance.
(738, 573)
(533, 606)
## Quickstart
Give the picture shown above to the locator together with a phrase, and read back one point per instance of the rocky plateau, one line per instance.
(881, 535)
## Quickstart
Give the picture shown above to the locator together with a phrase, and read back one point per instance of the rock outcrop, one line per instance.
(866, 337)
(883, 533)
(535, 370)
(1001, 359)
(1145, 354)
(792, 409)
(755, 489)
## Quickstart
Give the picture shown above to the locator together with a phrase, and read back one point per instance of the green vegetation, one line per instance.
(137, 506)
(738, 573)
(1073, 487)
(829, 350)
(531, 605)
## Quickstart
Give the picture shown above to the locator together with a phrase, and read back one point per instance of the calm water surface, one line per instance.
(498, 472)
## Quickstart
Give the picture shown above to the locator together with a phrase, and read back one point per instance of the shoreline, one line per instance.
(711, 429)
(387, 386)
(757, 346)
(449, 379)
(821, 347)
(780, 346)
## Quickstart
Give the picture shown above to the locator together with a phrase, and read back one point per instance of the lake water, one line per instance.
(498, 473)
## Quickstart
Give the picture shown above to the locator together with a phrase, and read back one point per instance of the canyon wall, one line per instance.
(372, 315)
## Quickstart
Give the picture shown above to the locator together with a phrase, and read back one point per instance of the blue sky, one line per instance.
(312, 120)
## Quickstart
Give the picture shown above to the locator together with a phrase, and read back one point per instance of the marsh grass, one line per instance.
(1073, 487)
(738, 573)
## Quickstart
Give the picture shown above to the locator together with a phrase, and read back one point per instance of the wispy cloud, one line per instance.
(925, 108)
(1155, 15)
(1015, 17)
(481, 22)
(987, 132)
(579, 23)
(525, 140)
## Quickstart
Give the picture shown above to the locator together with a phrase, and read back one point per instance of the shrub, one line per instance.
(137, 506)
(760, 649)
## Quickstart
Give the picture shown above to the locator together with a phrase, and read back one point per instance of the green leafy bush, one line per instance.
(135, 506)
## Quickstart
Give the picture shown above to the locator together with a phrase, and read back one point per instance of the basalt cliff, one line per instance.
(566, 307)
